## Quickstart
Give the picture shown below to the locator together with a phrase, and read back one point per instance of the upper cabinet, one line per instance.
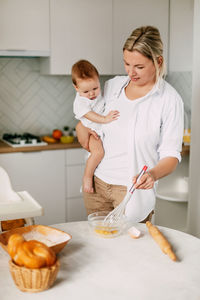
(24, 27)
(130, 14)
(76, 29)
(96, 30)
(79, 30)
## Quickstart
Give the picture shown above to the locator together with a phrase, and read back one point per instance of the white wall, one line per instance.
(181, 35)
(194, 183)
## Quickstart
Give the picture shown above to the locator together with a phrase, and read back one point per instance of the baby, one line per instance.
(88, 108)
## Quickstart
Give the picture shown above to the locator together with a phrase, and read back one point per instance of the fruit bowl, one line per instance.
(100, 228)
(67, 139)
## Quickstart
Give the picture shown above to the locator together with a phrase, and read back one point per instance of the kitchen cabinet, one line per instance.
(130, 14)
(79, 30)
(75, 165)
(42, 174)
(53, 178)
(24, 27)
(97, 31)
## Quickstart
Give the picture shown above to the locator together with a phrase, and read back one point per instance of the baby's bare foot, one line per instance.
(88, 185)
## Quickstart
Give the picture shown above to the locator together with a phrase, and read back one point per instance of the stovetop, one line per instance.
(22, 140)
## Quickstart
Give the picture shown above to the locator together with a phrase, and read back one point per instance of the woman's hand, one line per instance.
(145, 182)
(83, 135)
(164, 167)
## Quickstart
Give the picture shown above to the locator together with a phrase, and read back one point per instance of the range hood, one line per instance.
(24, 53)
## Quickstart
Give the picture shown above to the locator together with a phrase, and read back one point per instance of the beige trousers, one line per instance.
(106, 197)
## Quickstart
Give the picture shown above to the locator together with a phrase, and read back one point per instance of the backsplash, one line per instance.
(31, 102)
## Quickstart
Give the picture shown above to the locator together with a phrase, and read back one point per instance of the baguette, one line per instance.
(161, 240)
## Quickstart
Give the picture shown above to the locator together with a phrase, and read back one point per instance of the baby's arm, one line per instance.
(94, 117)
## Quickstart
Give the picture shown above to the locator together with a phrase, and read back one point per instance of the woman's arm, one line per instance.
(164, 167)
(171, 139)
(83, 135)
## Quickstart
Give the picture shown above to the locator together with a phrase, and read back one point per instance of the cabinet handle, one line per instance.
(15, 50)
(28, 152)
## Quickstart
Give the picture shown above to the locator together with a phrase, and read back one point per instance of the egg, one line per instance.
(134, 232)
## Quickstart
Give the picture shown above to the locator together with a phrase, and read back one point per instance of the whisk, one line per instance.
(116, 214)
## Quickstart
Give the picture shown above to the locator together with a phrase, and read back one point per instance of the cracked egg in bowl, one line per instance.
(104, 229)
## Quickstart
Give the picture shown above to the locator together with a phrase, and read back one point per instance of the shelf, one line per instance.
(174, 187)
(173, 196)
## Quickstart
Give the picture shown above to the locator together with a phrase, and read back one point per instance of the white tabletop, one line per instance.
(120, 268)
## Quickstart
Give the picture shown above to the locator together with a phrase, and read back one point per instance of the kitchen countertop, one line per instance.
(116, 269)
(4, 148)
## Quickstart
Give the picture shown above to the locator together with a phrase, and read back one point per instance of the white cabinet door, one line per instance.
(76, 210)
(76, 157)
(42, 174)
(80, 29)
(24, 25)
(75, 165)
(130, 14)
(74, 180)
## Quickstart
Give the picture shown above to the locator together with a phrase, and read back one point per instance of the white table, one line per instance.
(94, 268)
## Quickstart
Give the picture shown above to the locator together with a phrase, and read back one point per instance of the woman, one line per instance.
(148, 131)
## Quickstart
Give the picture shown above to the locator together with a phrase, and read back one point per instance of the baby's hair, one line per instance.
(83, 69)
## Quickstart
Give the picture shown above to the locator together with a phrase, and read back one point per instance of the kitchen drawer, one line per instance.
(75, 157)
(74, 175)
(75, 210)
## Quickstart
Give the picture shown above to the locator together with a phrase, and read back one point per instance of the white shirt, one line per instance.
(154, 131)
(83, 105)
(114, 166)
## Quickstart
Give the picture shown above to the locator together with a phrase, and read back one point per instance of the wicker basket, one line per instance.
(33, 280)
(46, 231)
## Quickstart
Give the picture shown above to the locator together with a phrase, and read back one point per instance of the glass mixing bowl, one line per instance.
(103, 229)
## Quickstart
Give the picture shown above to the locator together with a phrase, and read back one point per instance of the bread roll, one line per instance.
(30, 254)
(13, 243)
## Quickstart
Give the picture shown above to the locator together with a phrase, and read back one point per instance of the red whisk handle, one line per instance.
(132, 189)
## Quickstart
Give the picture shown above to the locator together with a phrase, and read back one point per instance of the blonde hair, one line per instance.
(147, 41)
(83, 69)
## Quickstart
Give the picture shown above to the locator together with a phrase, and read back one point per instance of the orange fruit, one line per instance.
(56, 134)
